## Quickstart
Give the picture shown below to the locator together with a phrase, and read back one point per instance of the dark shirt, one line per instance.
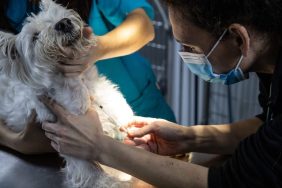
(257, 161)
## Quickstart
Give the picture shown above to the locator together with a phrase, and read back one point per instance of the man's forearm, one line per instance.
(221, 139)
(157, 170)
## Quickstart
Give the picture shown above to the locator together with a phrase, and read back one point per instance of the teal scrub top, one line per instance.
(133, 73)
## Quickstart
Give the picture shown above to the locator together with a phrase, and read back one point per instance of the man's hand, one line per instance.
(158, 136)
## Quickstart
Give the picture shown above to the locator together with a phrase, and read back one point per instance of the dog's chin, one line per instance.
(72, 39)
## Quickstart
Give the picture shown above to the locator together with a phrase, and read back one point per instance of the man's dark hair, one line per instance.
(215, 15)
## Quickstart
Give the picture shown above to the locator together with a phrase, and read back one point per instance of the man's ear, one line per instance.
(242, 37)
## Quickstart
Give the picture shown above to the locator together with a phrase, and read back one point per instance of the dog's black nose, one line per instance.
(65, 25)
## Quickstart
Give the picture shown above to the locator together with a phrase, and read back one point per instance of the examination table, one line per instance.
(36, 171)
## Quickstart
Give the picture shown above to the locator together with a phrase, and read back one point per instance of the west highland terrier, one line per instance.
(28, 70)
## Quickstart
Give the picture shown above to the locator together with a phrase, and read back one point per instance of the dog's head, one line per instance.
(53, 36)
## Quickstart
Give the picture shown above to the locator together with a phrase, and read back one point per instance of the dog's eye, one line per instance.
(35, 36)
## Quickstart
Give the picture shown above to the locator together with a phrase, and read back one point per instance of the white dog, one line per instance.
(28, 70)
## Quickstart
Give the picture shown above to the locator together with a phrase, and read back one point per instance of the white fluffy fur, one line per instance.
(28, 69)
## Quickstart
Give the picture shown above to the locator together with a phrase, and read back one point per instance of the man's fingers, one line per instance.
(140, 141)
(135, 141)
(53, 106)
(129, 142)
(138, 121)
(140, 132)
(144, 147)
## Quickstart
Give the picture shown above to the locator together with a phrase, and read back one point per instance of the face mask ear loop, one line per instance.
(217, 42)
(239, 62)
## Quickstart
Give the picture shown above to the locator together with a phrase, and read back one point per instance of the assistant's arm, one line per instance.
(132, 34)
(136, 31)
(5, 136)
(31, 140)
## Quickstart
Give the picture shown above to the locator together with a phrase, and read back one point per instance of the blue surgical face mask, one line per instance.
(200, 65)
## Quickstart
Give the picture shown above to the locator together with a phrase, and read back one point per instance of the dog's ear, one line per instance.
(9, 56)
(10, 59)
(8, 46)
(10, 63)
(45, 4)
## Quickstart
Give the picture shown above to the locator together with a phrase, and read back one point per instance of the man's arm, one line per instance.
(176, 139)
(157, 170)
(220, 139)
(82, 137)
(255, 163)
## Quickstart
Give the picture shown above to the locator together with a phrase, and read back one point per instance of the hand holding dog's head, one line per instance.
(53, 36)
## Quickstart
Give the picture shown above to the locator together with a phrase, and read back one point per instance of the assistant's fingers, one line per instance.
(52, 137)
(51, 127)
(32, 116)
(75, 74)
(72, 68)
(31, 121)
(57, 109)
(87, 32)
(55, 146)
(92, 98)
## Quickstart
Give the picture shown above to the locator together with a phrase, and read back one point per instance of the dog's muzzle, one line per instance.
(64, 25)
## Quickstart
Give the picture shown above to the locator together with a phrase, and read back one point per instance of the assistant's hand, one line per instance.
(78, 65)
(157, 135)
(30, 140)
(74, 135)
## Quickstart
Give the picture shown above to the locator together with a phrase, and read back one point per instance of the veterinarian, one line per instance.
(222, 41)
(123, 27)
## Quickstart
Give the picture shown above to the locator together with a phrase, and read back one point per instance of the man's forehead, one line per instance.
(186, 33)
(183, 33)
